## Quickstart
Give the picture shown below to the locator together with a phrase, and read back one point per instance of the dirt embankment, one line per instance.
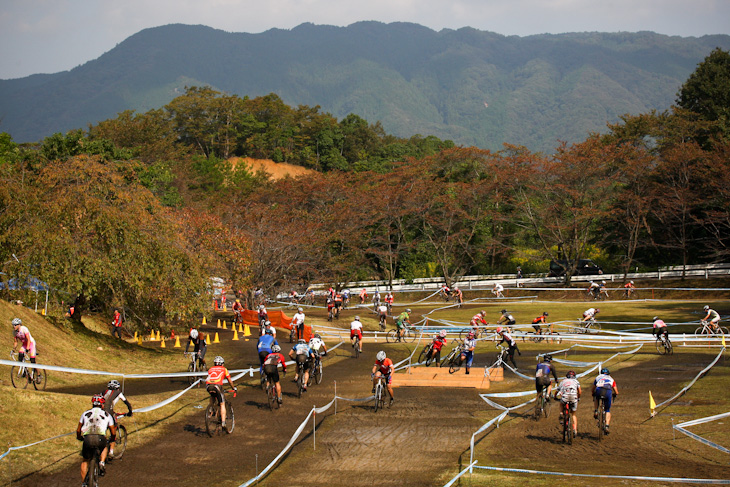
(275, 170)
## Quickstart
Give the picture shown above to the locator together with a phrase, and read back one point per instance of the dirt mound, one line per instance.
(276, 170)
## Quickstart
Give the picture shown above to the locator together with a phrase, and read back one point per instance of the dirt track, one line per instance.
(419, 441)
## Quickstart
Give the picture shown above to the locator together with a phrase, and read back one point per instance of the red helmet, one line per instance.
(499, 329)
(97, 400)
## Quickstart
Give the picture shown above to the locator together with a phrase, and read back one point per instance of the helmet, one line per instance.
(499, 329)
(442, 333)
(380, 356)
(276, 349)
(484, 313)
(655, 318)
(544, 313)
(238, 300)
(503, 311)
(193, 333)
(269, 331)
(408, 310)
(261, 306)
(357, 318)
(97, 400)
(605, 371)
(267, 323)
(706, 308)
(547, 358)
(631, 282)
(470, 335)
(113, 384)
(302, 340)
(301, 310)
(18, 321)
(603, 282)
(570, 375)
(598, 310)
(316, 335)
(218, 360)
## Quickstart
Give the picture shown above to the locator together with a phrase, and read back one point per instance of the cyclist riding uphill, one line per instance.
(538, 321)
(507, 338)
(265, 345)
(315, 343)
(660, 328)
(199, 345)
(542, 375)
(590, 314)
(569, 393)
(356, 331)
(383, 368)
(27, 343)
(604, 386)
(112, 395)
(214, 384)
(304, 356)
(403, 320)
(712, 317)
(271, 368)
(506, 320)
(91, 430)
(467, 350)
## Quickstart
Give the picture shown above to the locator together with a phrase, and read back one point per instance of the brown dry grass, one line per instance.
(275, 170)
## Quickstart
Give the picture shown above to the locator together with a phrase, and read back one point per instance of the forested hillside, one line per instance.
(141, 210)
(472, 87)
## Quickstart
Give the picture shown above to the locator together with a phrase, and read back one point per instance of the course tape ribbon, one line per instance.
(32, 444)
(686, 388)
(680, 427)
(624, 477)
(467, 469)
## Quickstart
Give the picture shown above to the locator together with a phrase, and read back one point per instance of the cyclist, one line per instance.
(27, 342)
(315, 343)
(437, 344)
(376, 299)
(117, 324)
(271, 368)
(542, 376)
(383, 368)
(604, 386)
(660, 328)
(589, 315)
(594, 289)
(345, 298)
(238, 312)
(507, 338)
(498, 290)
(569, 393)
(265, 346)
(403, 320)
(382, 314)
(363, 296)
(458, 296)
(712, 317)
(199, 346)
(268, 327)
(356, 331)
(263, 316)
(389, 300)
(112, 395)
(338, 304)
(506, 320)
(304, 356)
(629, 289)
(216, 375)
(537, 321)
(467, 350)
(445, 292)
(603, 289)
(330, 308)
(297, 322)
(478, 318)
(91, 430)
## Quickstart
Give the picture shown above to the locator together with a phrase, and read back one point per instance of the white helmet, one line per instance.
(276, 349)
(261, 306)
(380, 356)
(442, 333)
(301, 310)
(193, 333)
(17, 322)
(357, 318)
(218, 360)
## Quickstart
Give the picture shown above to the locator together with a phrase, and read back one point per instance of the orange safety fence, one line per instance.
(277, 318)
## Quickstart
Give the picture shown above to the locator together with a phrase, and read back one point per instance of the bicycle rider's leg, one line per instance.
(469, 356)
(375, 379)
(389, 387)
(607, 401)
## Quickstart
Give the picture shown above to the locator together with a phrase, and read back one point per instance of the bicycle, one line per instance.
(456, 362)
(292, 333)
(601, 420)
(427, 354)
(450, 356)
(542, 404)
(502, 355)
(406, 335)
(22, 376)
(196, 365)
(590, 326)
(664, 345)
(300, 379)
(708, 329)
(382, 323)
(121, 440)
(271, 394)
(356, 347)
(213, 424)
(317, 371)
(549, 337)
(93, 473)
(566, 421)
(379, 394)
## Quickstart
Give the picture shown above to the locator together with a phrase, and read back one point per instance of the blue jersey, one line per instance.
(265, 343)
(302, 349)
(544, 369)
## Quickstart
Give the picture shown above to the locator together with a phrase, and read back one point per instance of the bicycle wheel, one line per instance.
(724, 330)
(378, 394)
(448, 358)
(455, 365)
(92, 474)
(430, 358)
(318, 369)
(212, 422)
(291, 335)
(700, 330)
(556, 338)
(408, 335)
(569, 426)
(382, 325)
(39, 379)
(271, 395)
(356, 350)
(669, 347)
(601, 419)
(191, 378)
(121, 446)
(659, 344)
(230, 418)
(17, 377)
(545, 405)
(391, 337)
(423, 356)
(300, 383)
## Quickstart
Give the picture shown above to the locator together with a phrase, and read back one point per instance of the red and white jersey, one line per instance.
(568, 390)
(23, 336)
(95, 421)
(478, 318)
(384, 366)
(217, 374)
(659, 324)
(589, 313)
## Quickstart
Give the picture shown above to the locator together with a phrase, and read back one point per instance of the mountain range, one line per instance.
(470, 86)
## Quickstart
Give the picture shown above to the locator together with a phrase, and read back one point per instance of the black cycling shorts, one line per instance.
(303, 360)
(272, 372)
(262, 356)
(541, 383)
(91, 444)
(215, 390)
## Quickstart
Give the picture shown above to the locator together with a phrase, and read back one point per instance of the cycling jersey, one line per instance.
(478, 318)
(23, 335)
(539, 319)
(338, 301)
(217, 374)
(302, 349)
(382, 310)
(355, 325)
(95, 421)
(111, 397)
(544, 369)
(389, 298)
(384, 366)
(507, 319)
(438, 343)
(315, 344)
(604, 381)
(198, 344)
(275, 359)
(660, 324)
(498, 288)
(506, 337)
(568, 390)
(712, 314)
(265, 343)
(403, 317)
(589, 313)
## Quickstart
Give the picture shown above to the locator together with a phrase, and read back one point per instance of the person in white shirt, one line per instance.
(297, 322)
(356, 330)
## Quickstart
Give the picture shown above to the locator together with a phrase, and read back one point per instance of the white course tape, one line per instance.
(624, 477)
(686, 388)
(35, 443)
(681, 428)
(467, 469)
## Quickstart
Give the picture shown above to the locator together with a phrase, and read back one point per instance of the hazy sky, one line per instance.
(48, 36)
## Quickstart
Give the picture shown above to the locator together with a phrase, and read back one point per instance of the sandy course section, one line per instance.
(276, 170)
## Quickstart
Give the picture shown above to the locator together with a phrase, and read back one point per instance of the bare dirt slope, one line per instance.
(276, 170)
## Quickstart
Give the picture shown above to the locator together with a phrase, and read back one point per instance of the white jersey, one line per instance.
(590, 313)
(498, 288)
(382, 309)
(604, 381)
(315, 344)
(298, 319)
(95, 421)
(356, 325)
(568, 390)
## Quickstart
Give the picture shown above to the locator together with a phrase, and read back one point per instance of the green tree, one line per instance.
(707, 90)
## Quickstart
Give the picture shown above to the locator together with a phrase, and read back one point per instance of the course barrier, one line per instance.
(681, 428)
